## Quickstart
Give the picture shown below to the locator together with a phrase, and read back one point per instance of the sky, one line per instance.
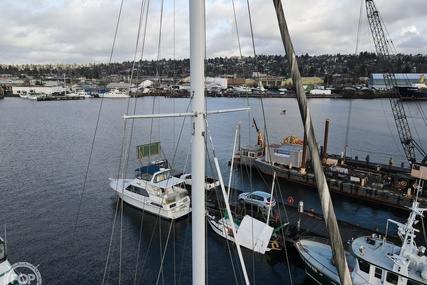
(84, 31)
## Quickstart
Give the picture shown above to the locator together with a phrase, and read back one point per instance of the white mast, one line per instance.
(197, 52)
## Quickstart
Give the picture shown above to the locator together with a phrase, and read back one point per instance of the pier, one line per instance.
(302, 222)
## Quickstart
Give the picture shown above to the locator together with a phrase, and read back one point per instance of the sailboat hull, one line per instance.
(251, 233)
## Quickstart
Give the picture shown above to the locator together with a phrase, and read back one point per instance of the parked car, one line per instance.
(257, 198)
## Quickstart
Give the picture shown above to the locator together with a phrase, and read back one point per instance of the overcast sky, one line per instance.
(82, 31)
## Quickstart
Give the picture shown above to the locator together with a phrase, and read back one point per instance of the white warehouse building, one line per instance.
(376, 80)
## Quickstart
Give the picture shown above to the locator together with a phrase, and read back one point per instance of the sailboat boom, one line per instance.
(126, 117)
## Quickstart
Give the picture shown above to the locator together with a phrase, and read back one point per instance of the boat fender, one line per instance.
(290, 200)
(275, 245)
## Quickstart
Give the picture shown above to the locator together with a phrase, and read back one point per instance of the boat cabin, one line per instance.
(153, 172)
(285, 154)
(248, 154)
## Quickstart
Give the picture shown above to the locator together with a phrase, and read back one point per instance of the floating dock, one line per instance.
(59, 98)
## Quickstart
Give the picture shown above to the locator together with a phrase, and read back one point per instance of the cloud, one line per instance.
(83, 31)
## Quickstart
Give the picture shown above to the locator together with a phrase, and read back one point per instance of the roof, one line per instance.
(305, 80)
(410, 76)
(262, 194)
(119, 85)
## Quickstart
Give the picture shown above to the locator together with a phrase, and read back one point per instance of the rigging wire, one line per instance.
(347, 130)
(143, 10)
(248, 170)
(91, 153)
(126, 152)
(242, 65)
(125, 157)
(163, 252)
(242, 263)
(323, 190)
(152, 128)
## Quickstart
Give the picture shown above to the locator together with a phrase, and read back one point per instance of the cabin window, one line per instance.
(162, 176)
(159, 177)
(378, 272)
(245, 153)
(364, 266)
(392, 278)
(137, 190)
(410, 282)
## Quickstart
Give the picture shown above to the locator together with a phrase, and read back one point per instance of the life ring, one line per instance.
(290, 200)
(275, 245)
(404, 183)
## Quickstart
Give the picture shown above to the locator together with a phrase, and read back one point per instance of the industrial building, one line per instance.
(376, 80)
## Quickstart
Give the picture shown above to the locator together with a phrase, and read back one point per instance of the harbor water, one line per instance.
(58, 212)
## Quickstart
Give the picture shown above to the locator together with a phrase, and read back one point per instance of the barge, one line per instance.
(359, 179)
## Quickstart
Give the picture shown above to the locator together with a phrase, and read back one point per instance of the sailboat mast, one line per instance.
(325, 199)
(197, 56)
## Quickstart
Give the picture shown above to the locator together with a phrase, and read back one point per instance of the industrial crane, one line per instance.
(260, 141)
(384, 55)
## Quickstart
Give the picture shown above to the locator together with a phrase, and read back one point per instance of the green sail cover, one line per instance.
(148, 150)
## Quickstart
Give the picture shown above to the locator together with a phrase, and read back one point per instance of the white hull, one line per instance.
(79, 94)
(251, 233)
(241, 89)
(114, 94)
(317, 256)
(371, 259)
(170, 206)
(32, 97)
(7, 274)
(210, 182)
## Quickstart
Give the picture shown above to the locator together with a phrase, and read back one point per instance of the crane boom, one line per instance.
(260, 139)
(382, 48)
